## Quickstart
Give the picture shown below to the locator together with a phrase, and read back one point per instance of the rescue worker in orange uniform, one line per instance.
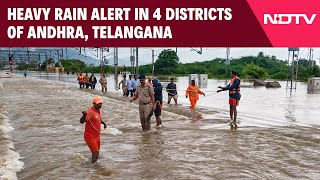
(234, 97)
(86, 80)
(193, 92)
(93, 119)
(81, 80)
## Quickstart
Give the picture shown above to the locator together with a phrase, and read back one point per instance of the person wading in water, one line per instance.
(193, 92)
(234, 97)
(145, 93)
(92, 118)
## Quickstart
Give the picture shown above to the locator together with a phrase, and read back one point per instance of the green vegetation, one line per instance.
(77, 65)
(167, 64)
(248, 67)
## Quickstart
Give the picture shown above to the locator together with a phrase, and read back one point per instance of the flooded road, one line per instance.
(278, 135)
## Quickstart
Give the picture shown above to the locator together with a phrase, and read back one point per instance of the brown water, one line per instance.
(273, 142)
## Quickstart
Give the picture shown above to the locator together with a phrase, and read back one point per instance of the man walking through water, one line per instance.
(193, 92)
(80, 78)
(158, 99)
(234, 97)
(145, 93)
(92, 118)
(124, 85)
(92, 81)
(103, 82)
(129, 86)
(172, 91)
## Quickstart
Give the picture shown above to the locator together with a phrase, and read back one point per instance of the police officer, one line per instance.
(145, 94)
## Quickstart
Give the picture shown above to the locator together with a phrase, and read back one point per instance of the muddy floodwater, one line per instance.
(41, 137)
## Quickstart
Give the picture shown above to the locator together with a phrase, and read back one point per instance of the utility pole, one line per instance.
(293, 72)
(66, 53)
(152, 63)
(137, 62)
(310, 58)
(28, 55)
(115, 53)
(101, 61)
(227, 60)
(47, 62)
(132, 59)
(61, 57)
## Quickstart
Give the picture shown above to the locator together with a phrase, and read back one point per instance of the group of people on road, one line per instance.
(90, 82)
(149, 95)
(129, 86)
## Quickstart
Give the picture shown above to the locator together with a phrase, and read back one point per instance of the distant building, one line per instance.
(314, 85)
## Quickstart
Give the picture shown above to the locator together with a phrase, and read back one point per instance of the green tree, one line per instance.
(23, 66)
(167, 62)
(260, 54)
(255, 72)
(75, 65)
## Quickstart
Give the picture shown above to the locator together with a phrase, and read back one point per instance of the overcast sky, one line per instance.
(186, 55)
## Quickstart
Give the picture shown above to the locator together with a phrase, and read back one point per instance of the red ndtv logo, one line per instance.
(288, 19)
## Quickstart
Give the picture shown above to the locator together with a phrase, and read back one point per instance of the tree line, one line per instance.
(249, 67)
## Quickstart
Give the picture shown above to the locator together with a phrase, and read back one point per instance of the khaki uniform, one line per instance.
(124, 86)
(145, 103)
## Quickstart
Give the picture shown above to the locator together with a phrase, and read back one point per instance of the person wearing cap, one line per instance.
(93, 119)
(145, 94)
(158, 99)
(193, 92)
(234, 97)
(172, 91)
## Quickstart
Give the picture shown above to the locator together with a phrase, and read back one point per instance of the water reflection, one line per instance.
(151, 155)
(289, 109)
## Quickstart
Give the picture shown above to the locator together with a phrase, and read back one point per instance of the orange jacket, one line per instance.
(193, 92)
(93, 124)
(86, 79)
(80, 79)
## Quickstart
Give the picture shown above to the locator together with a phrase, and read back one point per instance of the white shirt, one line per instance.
(129, 84)
(135, 83)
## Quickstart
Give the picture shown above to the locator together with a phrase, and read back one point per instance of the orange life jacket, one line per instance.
(80, 79)
(234, 90)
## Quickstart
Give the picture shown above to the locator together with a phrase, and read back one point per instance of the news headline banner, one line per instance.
(106, 15)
